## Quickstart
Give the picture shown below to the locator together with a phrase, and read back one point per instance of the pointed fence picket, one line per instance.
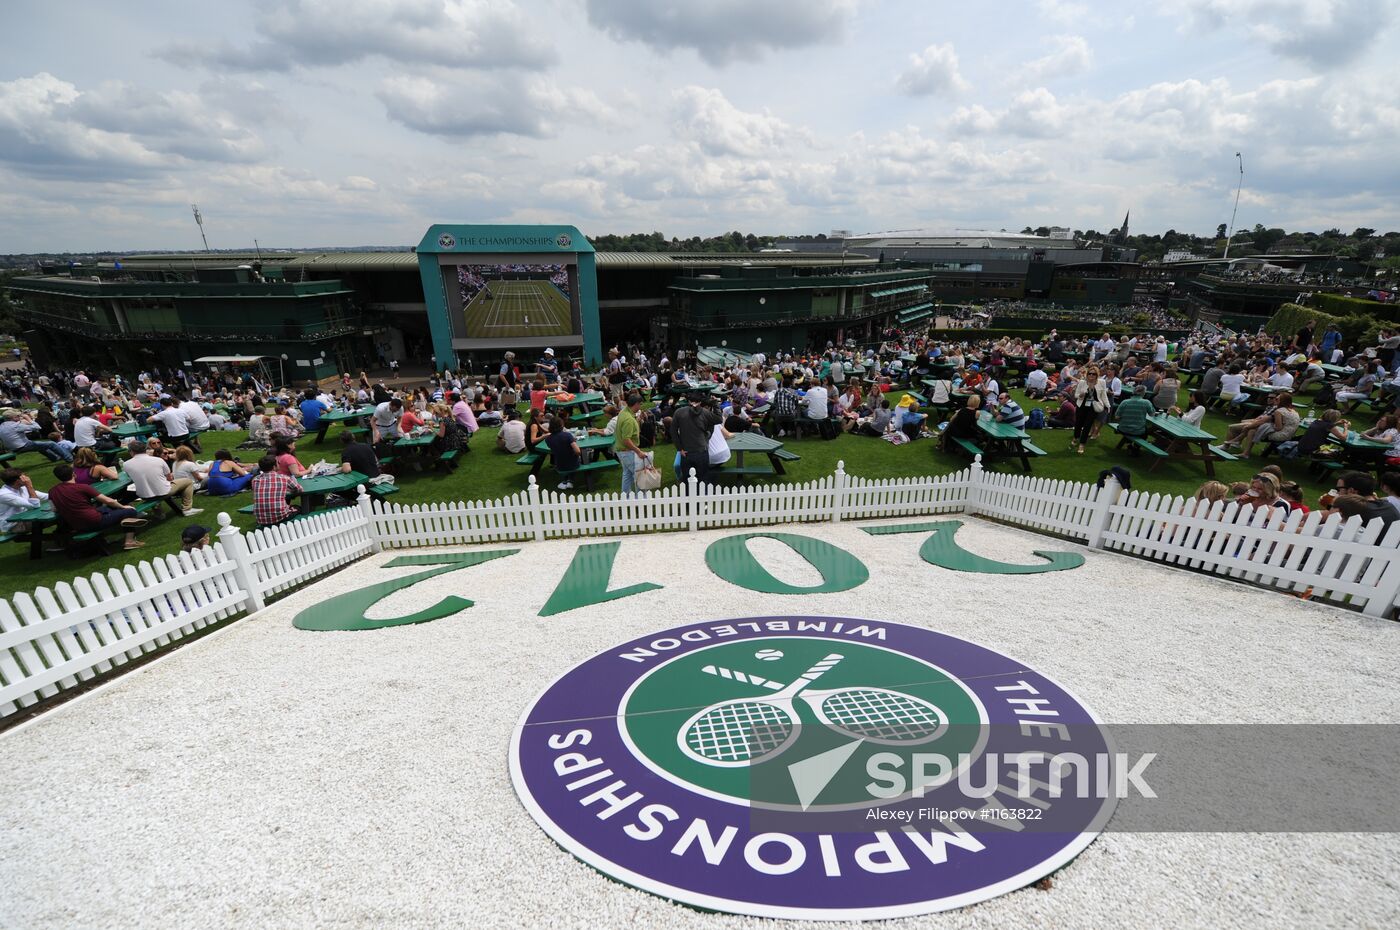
(56, 639)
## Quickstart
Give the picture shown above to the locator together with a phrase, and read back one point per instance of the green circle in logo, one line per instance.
(730, 721)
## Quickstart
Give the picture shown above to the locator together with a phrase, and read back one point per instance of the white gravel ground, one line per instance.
(271, 777)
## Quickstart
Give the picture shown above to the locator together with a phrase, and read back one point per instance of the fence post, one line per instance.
(839, 501)
(1098, 520)
(367, 512)
(237, 547)
(536, 509)
(692, 506)
(974, 485)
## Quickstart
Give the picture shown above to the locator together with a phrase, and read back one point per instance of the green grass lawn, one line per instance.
(485, 473)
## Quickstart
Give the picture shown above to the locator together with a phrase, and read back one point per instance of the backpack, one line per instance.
(828, 429)
(1035, 419)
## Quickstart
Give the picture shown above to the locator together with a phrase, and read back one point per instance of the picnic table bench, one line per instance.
(536, 458)
(341, 416)
(1174, 438)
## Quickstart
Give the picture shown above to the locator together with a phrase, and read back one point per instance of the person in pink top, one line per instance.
(462, 413)
(408, 421)
(287, 462)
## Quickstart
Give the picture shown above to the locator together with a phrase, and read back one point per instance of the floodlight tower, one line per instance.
(1239, 188)
(200, 220)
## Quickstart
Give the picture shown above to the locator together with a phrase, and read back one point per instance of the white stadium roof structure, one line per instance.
(972, 239)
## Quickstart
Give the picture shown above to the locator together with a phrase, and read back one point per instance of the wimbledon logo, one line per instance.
(447, 241)
(809, 767)
(563, 240)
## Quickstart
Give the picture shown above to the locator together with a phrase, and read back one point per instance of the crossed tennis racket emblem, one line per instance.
(746, 731)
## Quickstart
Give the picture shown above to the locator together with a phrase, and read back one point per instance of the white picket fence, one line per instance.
(54, 640)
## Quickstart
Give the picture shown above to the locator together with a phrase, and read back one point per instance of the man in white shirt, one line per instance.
(384, 424)
(1161, 352)
(171, 420)
(991, 390)
(512, 434)
(1281, 378)
(86, 428)
(1036, 382)
(17, 495)
(1104, 347)
(196, 419)
(150, 479)
(817, 401)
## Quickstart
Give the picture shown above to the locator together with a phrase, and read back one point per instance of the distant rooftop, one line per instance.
(408, 261)
(970, 239)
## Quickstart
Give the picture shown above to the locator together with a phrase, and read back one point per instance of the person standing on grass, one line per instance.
(691, 427)
(1090, 400)
(626, 437)
(83, 510)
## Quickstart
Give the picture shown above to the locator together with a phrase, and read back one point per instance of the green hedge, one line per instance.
(1337, 305)
(1358, 331)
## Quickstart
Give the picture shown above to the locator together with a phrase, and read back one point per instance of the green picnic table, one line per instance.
(1336, 372)
(1363, 453)
(742, 443)
(1175, 437)
(315, 490)
(540, 453)
(415, 449)
(1005, 439)
(339, 416)
(578, 400)
(132, 430)
(37, 519)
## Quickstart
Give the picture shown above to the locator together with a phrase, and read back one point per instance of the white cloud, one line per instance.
(311, 33)
(503, 103)
(1033, 113)
(1064, 12)
(724, 31)
(932, 71)
(1322, 33)
(1068, 56)
(50, 127)
(718, 127)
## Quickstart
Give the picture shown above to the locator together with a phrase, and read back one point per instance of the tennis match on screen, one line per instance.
(516, 300)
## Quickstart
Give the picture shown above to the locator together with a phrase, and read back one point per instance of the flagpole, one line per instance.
(1236, 212)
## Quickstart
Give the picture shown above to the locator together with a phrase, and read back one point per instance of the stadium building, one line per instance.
(320, 313)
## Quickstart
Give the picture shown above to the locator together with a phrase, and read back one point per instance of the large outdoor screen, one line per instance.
(513, 300)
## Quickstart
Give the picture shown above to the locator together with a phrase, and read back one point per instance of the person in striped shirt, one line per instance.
(1010, 412)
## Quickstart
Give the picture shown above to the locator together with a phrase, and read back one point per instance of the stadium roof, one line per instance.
(408, 261)
(912, 238)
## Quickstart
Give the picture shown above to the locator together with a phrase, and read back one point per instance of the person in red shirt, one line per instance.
(409, 420)
(77, 506)
(287, 462)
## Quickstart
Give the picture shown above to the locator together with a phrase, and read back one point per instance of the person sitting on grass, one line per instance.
(878, 423)
(1356, 496)
(512, 436)
(564, 451)
(88, 470)
(908, 419)
(1291, 492)
(83, 510)
(227, 476)
(194, 537)
(186, 467)
(270, 490)
(1063, 416)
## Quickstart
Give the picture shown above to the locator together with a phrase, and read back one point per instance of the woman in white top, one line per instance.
(1090, 400)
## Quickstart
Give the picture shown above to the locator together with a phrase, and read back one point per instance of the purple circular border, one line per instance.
(594, 687)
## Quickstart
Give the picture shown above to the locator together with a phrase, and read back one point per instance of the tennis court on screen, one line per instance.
(518, 308)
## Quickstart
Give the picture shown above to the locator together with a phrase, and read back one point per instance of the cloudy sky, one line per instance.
(352, 122)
